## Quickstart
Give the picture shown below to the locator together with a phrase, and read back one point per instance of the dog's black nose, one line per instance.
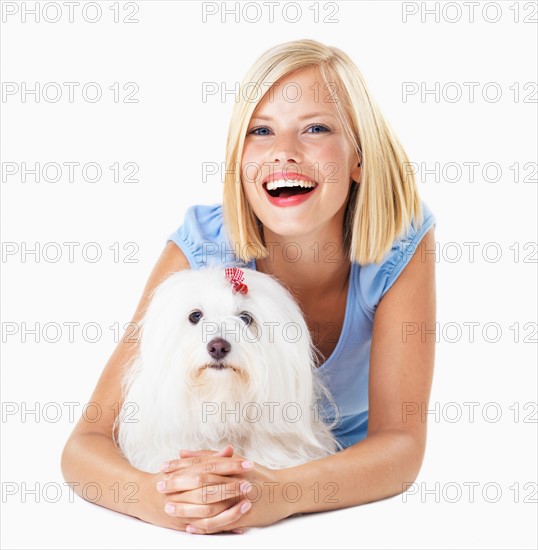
(218, 348)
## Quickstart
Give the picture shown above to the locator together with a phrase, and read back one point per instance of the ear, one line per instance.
(356, 172)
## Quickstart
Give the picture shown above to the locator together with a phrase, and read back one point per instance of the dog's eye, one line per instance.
(195, 316)
(246, 317)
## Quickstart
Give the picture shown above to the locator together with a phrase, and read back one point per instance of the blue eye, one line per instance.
(325, 129)
(256, 129)
(319, 126)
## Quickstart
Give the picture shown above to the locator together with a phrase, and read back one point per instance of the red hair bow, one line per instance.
(236, 276)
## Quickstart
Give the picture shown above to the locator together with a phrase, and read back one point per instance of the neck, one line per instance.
(313, 264)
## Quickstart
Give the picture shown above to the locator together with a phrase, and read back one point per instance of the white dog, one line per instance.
(225, 356)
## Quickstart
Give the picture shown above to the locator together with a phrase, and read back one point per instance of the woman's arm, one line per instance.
(401, 372)
(90, 455)
(380, 466)
(90, 460)
(95, 467)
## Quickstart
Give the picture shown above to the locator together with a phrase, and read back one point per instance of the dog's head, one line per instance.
(224, 341)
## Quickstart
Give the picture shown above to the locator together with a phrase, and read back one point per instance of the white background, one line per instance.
(169, 133)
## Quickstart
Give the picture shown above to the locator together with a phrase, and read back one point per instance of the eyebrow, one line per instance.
(304, 117)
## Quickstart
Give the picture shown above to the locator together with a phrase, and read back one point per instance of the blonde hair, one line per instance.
(380, 208)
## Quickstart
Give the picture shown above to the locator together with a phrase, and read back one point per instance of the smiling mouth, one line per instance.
(284, 192)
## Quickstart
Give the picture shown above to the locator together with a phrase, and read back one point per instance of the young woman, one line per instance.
(355, 247)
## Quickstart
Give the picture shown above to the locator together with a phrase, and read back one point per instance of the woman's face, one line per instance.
(296, 129)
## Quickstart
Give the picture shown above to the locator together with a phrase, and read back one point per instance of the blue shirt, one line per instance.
(203, 240)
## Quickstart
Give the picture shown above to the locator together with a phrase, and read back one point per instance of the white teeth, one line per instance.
(276, 184)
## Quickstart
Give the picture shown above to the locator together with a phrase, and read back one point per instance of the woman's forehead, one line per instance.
(303, 98)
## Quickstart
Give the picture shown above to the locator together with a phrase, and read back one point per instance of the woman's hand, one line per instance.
(266, 495)
(177, 497)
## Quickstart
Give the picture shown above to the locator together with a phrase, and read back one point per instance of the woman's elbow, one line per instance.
(411, 459)
(68, 459)
(72, 456)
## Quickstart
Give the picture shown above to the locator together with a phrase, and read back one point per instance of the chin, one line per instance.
(219, 364)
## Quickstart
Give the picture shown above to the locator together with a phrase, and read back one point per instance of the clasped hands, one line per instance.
(205, 492)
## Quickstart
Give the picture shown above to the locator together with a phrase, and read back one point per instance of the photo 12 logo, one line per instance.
(69, 12)
(270, 12)
(69, 92)
(469, 12)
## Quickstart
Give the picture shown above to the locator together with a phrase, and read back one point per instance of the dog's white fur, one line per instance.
(265, 403)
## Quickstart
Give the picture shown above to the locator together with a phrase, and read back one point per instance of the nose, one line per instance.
(286, 150)
(218, 348)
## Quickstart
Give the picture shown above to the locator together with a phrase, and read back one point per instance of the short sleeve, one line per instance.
(375, 279)
(201, 237)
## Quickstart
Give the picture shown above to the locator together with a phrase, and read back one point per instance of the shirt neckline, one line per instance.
(347, 315)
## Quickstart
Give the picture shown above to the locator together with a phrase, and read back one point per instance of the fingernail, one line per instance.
(245, 487)
(164, 466)
(245, 507)
(161, 486)
(247, 464)
(169, 508)
(238, 531)
(191, 529)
